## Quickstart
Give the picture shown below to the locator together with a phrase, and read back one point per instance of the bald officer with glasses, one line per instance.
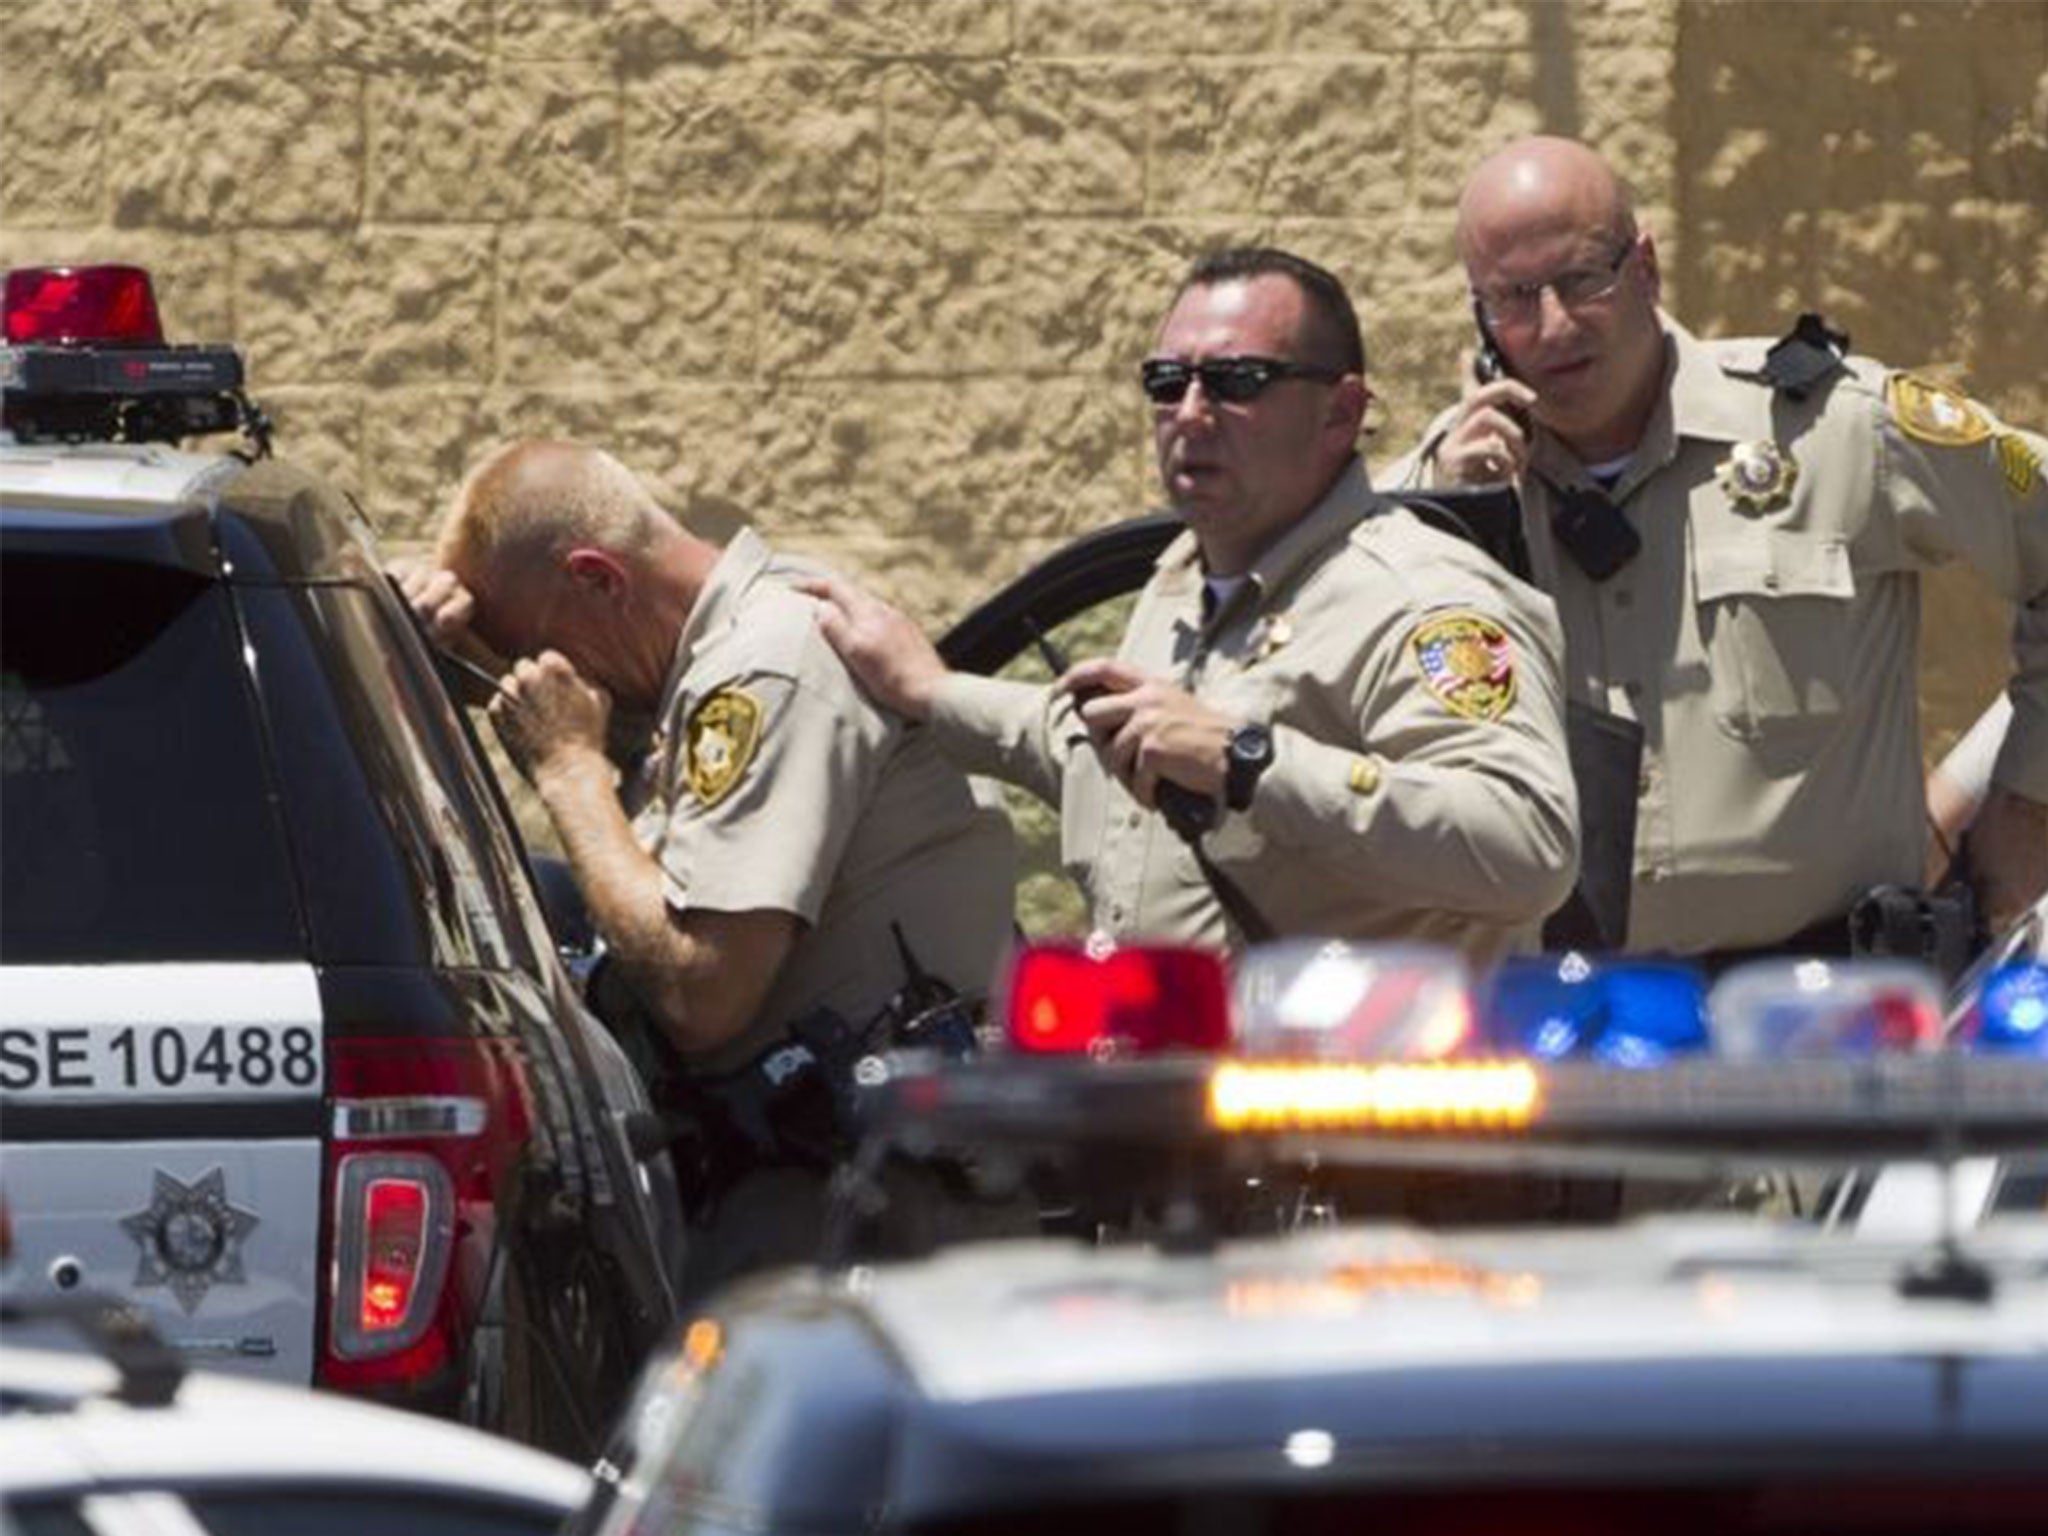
(1734, 533)
(1364, 713)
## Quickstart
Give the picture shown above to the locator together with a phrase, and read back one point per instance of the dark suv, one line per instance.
(287, 1055)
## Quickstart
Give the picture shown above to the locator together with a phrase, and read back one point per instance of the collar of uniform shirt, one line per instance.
(1702, 406)
(1349, 501)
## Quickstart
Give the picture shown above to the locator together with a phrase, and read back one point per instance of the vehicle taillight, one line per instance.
(424, 1135)
(67, 306)
(1069, 999)
(392, 1245)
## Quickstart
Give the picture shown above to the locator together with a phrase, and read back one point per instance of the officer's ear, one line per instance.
(1653, 280)
(1345, 418)
(594, 570)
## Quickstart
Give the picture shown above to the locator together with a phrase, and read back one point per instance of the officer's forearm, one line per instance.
(1002, 729)
(1455, 838)
(674, 971)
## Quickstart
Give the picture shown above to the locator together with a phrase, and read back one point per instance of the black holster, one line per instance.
(796, 1103)
(1939, 929)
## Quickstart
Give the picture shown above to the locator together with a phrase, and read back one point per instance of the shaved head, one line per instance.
(536, 498)
(1541, 183)
(565, 549)
(1566, 288)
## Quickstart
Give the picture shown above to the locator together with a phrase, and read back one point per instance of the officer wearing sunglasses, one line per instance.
(1734, 532)
(1367, 712)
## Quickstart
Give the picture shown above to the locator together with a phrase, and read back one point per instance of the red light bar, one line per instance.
(1065, 999)
(73, 306)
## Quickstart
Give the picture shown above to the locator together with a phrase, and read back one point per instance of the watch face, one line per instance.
(1250, 754)
(1251, 744)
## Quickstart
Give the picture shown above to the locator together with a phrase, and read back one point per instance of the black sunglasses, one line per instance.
(1233, 380)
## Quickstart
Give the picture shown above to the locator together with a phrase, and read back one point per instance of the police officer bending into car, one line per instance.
(1734, 533)
(781, 875)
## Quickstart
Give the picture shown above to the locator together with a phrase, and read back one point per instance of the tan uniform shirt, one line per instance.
(775, 784)
(1419, 787)
(1766, 636)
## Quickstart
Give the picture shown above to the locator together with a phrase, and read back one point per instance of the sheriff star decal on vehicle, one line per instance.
(720, 742)
(190, 1237)
(1467, 662)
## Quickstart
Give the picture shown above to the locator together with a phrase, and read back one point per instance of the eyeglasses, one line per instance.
(1516, 303)
(1233, 380)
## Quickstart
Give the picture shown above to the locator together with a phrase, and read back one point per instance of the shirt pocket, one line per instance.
(1774, 617)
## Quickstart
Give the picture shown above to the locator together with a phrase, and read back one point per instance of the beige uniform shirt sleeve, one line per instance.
(1021, 733)
(772, 835)
(1456, 788)
(1962, 484)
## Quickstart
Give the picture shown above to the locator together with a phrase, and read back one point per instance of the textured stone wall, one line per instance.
(1889, 165)
(872, 274)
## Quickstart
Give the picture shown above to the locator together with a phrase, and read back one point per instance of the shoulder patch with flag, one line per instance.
(719, 742)
(1467, 662)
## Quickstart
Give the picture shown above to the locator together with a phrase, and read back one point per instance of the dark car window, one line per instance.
(134, 808)
(52, 1518)
(377, 790)
(1879, 1503)
(352, 1512)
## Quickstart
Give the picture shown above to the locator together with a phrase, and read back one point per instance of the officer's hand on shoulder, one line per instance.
(881, 645)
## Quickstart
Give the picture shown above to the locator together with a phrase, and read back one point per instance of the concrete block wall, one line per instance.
(872, 275)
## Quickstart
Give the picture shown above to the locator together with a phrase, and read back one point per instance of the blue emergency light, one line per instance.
(2010, 1016)
(1619, 1013)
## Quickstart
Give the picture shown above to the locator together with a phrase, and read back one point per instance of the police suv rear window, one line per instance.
(134, 807)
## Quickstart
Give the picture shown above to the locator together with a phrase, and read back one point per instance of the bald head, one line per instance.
(1566, 289)
(535, 498)
(1540, 186)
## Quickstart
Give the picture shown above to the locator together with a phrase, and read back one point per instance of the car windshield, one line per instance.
(133, 802)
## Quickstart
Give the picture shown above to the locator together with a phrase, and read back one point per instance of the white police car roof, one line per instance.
(996, 1321)
(141, 474)
(62, 1430)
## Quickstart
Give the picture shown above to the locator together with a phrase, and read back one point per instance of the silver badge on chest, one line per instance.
(1757, 476)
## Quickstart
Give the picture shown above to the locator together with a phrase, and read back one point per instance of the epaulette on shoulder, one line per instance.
(1810, 353)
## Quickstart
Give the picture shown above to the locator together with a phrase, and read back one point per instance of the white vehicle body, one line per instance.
(110, 1044)
(67, 1442)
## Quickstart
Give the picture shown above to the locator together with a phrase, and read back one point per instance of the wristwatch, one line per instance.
(1248, 754)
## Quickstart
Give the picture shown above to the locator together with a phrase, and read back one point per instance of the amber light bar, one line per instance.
(1477, 1095)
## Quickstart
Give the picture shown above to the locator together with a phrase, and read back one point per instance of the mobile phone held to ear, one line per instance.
(1487, 362)
(1490, 363)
